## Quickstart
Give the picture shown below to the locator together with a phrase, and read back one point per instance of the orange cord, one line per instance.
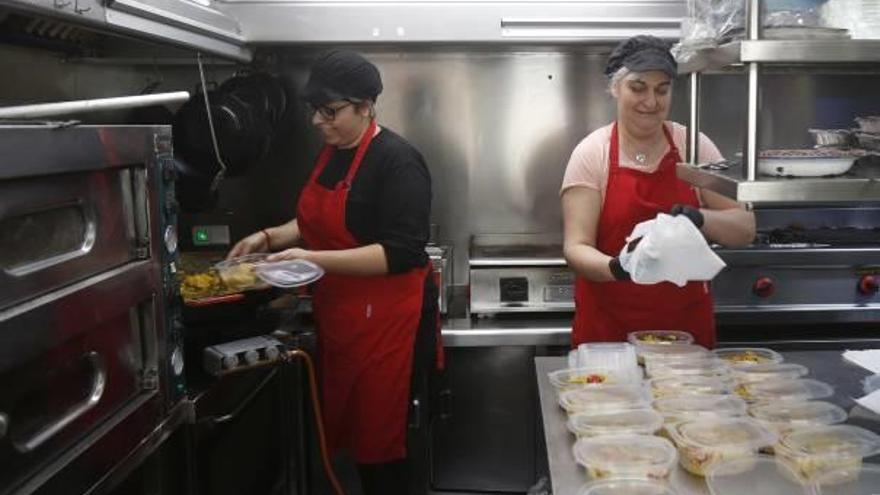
(322, 440)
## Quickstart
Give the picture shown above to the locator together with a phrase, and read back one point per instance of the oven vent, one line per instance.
(51, 34)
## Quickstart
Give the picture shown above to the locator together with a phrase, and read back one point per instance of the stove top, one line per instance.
(793, 237)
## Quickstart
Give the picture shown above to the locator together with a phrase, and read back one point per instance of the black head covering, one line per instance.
(341, 74)
(640, 54)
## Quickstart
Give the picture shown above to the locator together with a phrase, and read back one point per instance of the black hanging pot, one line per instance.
(263, 91)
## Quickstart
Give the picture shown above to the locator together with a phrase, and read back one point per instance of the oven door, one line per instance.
(61, 228)
(72, 363)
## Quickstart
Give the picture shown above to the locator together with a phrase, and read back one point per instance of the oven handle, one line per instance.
(99, 382)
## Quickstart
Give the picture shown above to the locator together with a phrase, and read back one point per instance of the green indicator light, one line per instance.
(200, 236)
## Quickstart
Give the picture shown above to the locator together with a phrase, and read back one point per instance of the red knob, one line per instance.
(868, 285)
(764, 287)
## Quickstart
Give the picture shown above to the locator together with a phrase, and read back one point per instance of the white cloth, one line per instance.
(868, 359)
(672, 249)
(871, 401)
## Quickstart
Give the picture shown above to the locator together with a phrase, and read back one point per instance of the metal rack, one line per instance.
(741, 182)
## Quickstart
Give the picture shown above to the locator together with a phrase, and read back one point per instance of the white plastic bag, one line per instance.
(672, 249)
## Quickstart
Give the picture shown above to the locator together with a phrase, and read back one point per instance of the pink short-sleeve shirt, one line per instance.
(588, 165)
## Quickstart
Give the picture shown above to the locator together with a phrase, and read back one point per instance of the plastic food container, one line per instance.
(835, 138)
(747, 356)
(627, 487)
(833, 453)
(604, 398)
(238, 274)
(649, 354)
(691, 407)
(611, 355)
(784, 390)
(865, 482)
(756, 475)
(287, 274)
(769, 371)
(643, 421)
(626, 456)
(659, 337)
(577, 377)
(674, 386)
(703, 443)
(692, 367)
(870, 123)
(786, 416)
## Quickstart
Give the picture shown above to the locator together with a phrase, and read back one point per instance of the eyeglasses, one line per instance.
(329, 113)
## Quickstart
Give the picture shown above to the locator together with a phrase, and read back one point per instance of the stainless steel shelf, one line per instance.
(784, 52)
(862, 183)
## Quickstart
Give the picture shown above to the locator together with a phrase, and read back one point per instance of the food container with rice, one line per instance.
(674, 386)
(710, 366)
(670, 352)
(691, 407)
(627, 486)
(576, 377)
(703, 443)
(779, 390)
(659, 337)
(768, 371)
(784, 417)
(643, 421)
(758, 475)
(239, 274)
(746, 356)
(626, 456)
(833, 453)
(604, 397)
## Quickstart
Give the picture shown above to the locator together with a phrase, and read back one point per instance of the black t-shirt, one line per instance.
(390, 198)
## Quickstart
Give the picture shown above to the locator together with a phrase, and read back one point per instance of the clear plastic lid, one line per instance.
(785, 390)
(676, 409)
(863, 482)
(659, 337)
(769, 371)
(612, 355)
(671, 386)
(627, 487)
(760, 475)
(239, 273)
(747, 356)
(626, 455)
(671, 352)
(798, 413)
(691, 367)
(643, 421)
(573, 377)
(723, 433)
(830, 441)
(286, 274)
(604, 397)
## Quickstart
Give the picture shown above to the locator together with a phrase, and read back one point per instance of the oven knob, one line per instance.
(177, 361)
(868, 285)
(764, 287)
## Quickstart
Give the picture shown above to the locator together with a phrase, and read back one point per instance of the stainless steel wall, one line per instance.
(496, 123)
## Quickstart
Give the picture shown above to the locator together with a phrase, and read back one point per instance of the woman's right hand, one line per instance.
(256, 242)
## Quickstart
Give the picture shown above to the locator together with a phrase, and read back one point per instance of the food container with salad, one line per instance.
(833, 453)
(781, 390)
(674, 386)
(626, 456)
(746, 356)
(642, 421)
(703, 443)
(783, 417)
(768, 371)
(575, 377)
(604, 397)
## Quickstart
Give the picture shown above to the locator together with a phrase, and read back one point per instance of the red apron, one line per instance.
(366, 329)
(607, 311)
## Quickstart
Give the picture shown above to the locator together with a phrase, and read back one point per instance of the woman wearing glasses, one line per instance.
(363, 216)
(623, 174)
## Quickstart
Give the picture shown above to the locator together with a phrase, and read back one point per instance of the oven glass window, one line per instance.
(29, 242)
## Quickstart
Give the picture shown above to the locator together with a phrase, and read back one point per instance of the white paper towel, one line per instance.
(869, 359)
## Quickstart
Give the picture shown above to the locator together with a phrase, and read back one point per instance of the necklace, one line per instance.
(641, 158)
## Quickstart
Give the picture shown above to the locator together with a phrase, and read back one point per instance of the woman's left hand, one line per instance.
(290, 254)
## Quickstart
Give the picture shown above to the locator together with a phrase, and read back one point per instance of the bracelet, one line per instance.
(268, 239)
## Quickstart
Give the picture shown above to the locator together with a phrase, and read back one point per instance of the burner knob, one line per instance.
(764, 287)
(868, 285)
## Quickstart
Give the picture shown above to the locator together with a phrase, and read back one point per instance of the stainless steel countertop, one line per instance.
(567, 477)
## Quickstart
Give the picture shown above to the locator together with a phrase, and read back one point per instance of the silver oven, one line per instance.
(87, 246)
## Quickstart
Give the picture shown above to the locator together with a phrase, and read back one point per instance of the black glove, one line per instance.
(614, 263)
(693, 214)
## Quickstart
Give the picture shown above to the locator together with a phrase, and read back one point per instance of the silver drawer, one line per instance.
(58, 229)
(70, 362)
